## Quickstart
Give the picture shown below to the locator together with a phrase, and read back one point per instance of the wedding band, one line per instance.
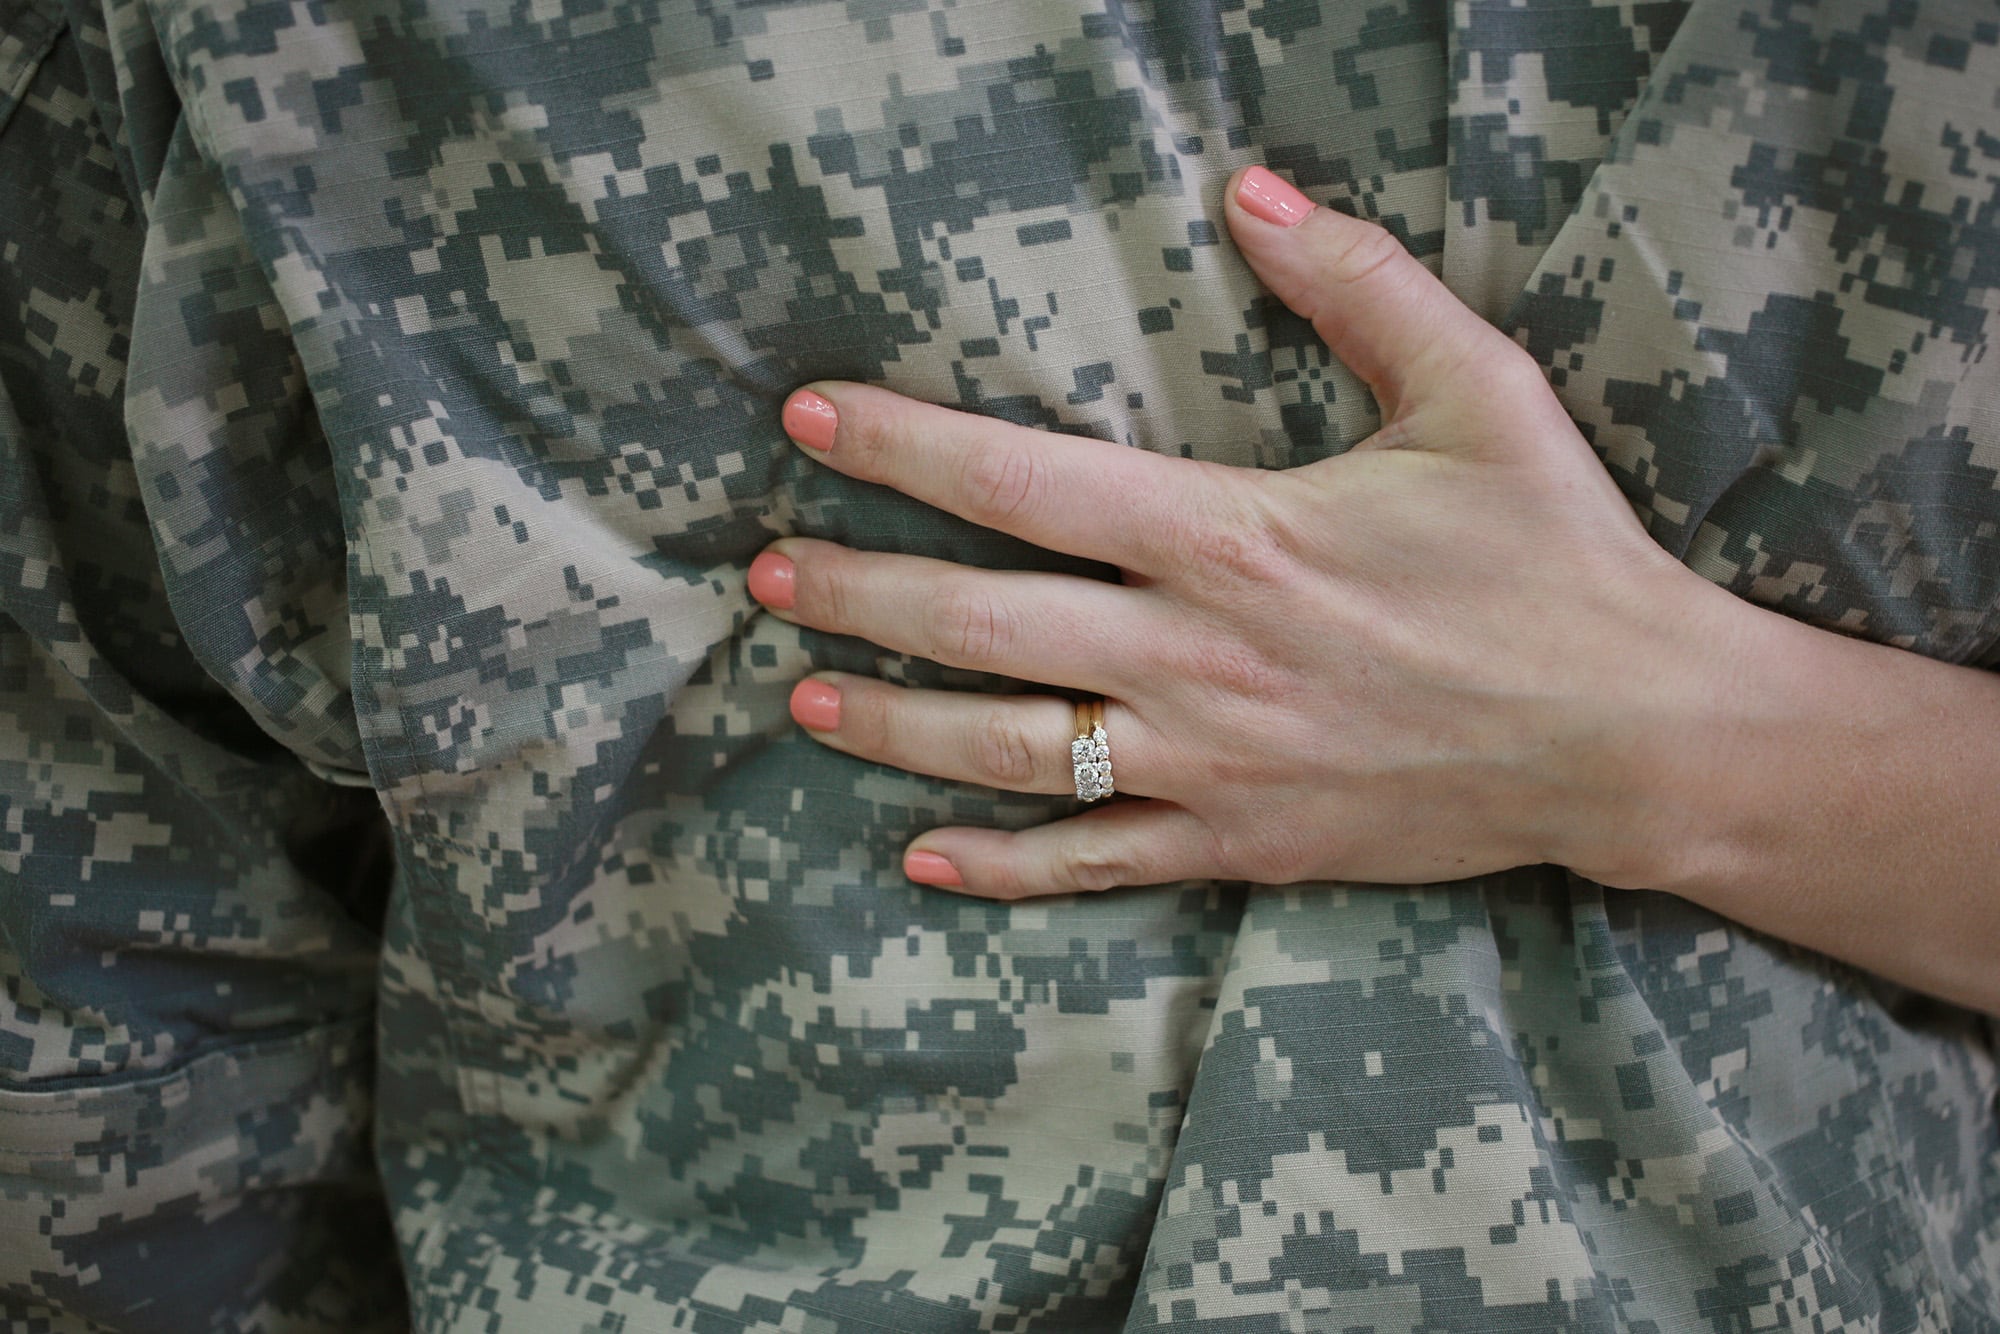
(1090, 752)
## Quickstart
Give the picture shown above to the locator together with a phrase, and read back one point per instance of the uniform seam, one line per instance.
(17, 74)
(116, 1081)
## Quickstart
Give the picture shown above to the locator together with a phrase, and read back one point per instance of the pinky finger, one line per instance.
(1124, 843)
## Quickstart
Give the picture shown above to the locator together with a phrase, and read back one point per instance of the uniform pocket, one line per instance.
(234, 1191)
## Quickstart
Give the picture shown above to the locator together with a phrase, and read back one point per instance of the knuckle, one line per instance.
(823, 589)
(1262, 857)
(868, 719)
(1245, 532)
(967, 625)
(1490, 370)
(1283, 862)
(1004, 880)
(1247, 554)
(1371, 257)
(1001, 752)
(1243, 672)
(868, 436)
(1090, 869)
(1396, 433)
(1002, 485)
(1514, 369)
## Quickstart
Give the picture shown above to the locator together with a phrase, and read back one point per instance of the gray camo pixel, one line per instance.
(417, 909)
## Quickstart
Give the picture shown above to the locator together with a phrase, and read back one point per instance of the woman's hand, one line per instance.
(1451, 650)
(1413, 662)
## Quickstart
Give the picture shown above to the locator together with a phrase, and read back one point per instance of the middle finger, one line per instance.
(1058, 629)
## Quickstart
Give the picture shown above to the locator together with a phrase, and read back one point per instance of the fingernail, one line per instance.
(927, 868)
(773, 580)
(810, 419)
(1264, 195)
(816, 705)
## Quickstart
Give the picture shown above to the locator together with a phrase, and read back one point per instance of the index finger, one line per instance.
(1113, 503)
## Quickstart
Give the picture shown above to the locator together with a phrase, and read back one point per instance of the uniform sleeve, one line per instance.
(188, 913)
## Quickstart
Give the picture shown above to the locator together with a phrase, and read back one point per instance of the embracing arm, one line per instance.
(1832, 792)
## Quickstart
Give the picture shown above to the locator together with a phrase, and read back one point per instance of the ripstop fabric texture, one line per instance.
(419, 910)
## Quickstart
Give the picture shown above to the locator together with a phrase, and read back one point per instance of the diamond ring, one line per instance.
(1090, 752)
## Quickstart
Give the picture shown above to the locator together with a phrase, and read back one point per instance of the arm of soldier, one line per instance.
(1451, 650)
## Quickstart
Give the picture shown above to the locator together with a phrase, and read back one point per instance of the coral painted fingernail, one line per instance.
(810, 419)
(816, 705)
(773, 580)
(927, 868)
(1264, 195)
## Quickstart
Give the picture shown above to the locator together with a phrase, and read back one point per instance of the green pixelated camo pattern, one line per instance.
(389, 412)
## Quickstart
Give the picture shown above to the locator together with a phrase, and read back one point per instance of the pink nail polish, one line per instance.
(927, 868)
(816, 705)
(1263, 194)
(810, 419)
(773, 580)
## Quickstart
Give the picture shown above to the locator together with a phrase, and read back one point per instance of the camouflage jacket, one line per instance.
(420, 911)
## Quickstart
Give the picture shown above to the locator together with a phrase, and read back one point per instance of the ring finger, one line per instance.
(1016, 742)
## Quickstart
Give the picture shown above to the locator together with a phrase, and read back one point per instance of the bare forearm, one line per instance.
(1831, 792)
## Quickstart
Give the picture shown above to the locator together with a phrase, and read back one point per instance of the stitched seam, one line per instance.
(35, 49)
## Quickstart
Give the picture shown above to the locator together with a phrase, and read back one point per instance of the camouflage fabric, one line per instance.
(419, 910)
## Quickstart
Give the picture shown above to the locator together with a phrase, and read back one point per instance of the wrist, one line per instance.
(1670, 792)
(1829, 791)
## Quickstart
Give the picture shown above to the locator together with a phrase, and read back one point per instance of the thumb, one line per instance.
(1376, 307)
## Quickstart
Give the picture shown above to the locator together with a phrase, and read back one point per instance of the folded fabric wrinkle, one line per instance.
(390, 411)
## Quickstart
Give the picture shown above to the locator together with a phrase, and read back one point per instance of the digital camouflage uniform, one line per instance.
(389, 404)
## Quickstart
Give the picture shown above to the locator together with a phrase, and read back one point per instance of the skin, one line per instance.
(1449, 651)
